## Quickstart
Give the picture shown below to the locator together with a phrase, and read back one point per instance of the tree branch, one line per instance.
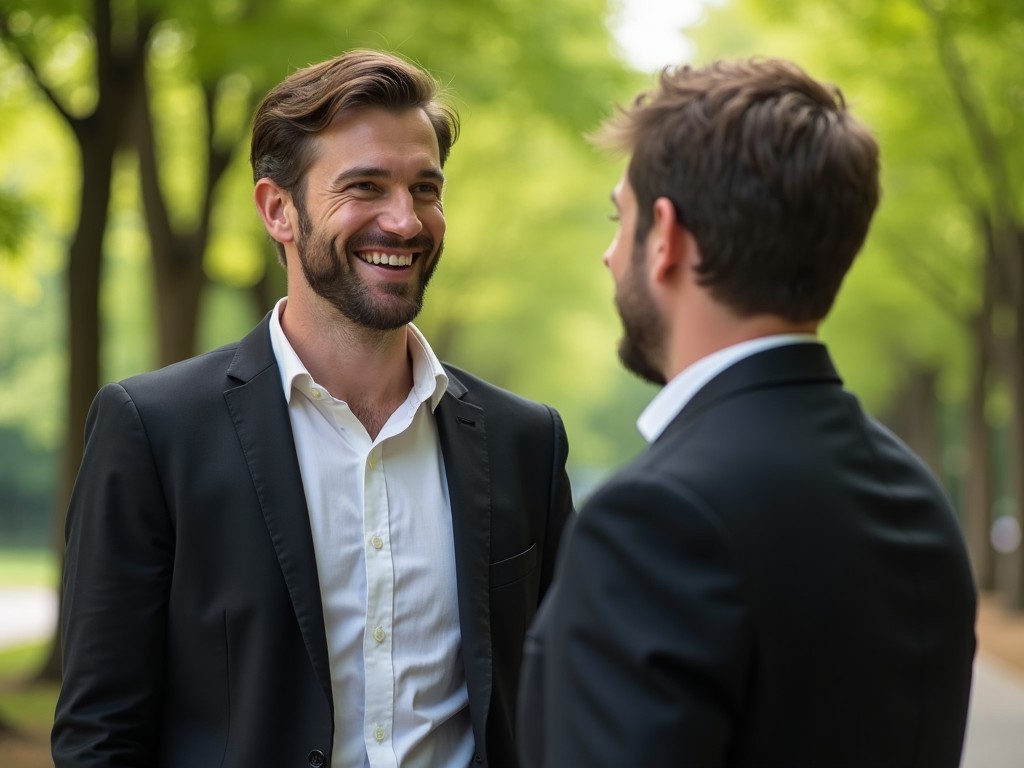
(930, 282)
(143, 138)
(218, 157)
(17, 47)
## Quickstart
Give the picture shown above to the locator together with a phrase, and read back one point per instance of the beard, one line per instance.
(643, 339)
(332, 277)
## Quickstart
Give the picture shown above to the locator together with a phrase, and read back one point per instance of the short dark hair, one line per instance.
(766, 168)
(306, 102)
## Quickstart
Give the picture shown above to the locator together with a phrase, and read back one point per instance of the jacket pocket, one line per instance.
(513, 568)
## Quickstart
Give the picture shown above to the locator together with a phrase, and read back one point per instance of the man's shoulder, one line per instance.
(239, 360)
(191, 371)
(474, 389)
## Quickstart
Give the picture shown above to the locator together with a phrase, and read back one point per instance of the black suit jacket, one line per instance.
(192, 623)
(777, 582)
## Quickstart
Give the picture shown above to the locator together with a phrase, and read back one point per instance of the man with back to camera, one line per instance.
(777, 581)
(317, 546)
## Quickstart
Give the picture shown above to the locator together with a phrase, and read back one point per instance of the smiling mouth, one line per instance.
(382, 259)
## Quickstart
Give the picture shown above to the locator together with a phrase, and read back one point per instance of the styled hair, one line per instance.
(766, 168)
(307, 101)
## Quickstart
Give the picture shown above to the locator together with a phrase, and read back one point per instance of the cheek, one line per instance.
(432, 219)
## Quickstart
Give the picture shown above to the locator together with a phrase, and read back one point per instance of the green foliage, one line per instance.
(14, 220)
(522, 297)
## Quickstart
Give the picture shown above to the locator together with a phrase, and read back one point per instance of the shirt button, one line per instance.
(372, 460)
(377, 541)
(379, 634)
(317, 394)
(379, 733)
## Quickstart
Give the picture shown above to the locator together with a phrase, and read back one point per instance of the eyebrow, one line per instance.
(376, 172)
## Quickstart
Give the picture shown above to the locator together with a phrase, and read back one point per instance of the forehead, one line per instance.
(392, 139)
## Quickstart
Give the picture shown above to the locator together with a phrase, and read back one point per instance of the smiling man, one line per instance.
(318, 546)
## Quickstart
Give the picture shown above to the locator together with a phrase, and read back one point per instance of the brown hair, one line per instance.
(307, 101)
(766, 168)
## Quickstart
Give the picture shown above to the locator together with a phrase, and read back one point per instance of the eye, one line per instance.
(427, 189)
(365, 187)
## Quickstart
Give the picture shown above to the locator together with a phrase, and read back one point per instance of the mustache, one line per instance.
(381, 241)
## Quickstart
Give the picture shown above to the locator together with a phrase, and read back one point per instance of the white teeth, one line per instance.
(389, 259)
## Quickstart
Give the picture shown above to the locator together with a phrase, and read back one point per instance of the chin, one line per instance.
(637, 363)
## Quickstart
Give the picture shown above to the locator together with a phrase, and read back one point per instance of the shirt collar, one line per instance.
(430, 381)
(674, 396)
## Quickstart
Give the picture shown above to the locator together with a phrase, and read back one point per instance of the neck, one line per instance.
(724, 329)
(369, 369)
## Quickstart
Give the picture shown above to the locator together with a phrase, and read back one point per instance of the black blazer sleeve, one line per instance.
(560, 505)
(120, 542)
(646, 627)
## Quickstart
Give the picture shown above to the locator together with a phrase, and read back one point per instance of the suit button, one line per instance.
(316, 759)
(478, 758)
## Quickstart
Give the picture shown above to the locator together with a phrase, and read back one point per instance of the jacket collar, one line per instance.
(779, 366)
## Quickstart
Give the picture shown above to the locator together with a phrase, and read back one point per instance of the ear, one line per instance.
(274, 203)
(669, 244)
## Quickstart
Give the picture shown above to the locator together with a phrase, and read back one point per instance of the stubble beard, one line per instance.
(331, 275)
(643, 340)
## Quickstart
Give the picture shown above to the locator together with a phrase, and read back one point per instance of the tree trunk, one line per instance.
(98, 135)
(977, 496)
(177, 255)
(1013, 588)
(85, 257)
(979, 476)
(179, 280)
(913, 416)
(1012, 583)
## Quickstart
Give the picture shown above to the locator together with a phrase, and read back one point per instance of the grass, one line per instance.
(26, 706)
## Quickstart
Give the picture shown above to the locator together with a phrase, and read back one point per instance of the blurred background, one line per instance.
(128, 238)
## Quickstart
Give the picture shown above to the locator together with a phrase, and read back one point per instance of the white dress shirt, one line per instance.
(674, 396)
(382, 532)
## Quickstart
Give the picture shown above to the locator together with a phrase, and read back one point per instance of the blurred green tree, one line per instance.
(93, 108)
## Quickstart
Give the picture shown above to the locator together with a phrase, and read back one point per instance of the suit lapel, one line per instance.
(260, 414)
(461, 431)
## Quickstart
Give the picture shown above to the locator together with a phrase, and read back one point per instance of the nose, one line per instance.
(399, 216)
(607, 258)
